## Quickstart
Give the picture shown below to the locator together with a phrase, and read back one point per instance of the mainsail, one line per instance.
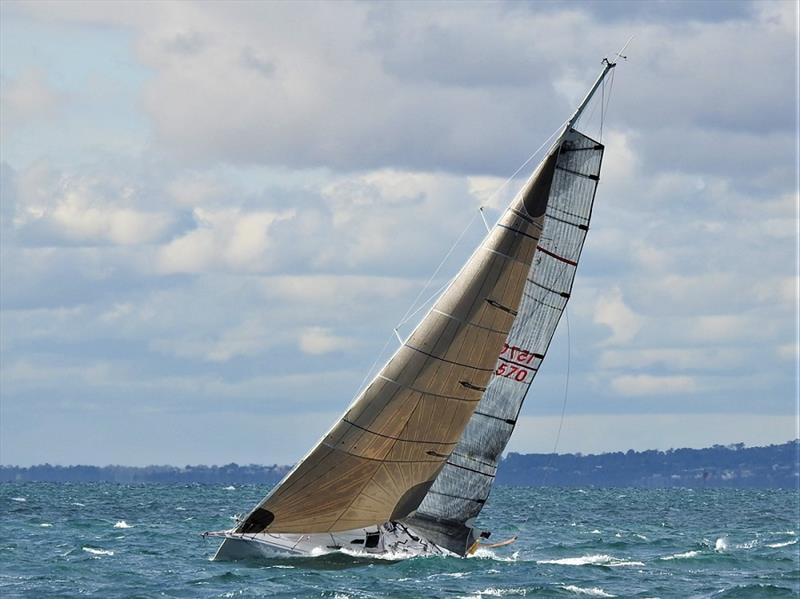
(420, 444)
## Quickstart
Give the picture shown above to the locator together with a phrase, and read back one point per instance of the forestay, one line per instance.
(380, 459)
(461, 489)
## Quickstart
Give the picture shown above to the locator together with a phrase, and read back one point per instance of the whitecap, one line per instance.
(484, 553)
(386, 555)
(684, 555)
(591, 591)
(591, 560)
(644, 538)
(78, 503)
(747, 544)
(494, 592)
(19, 499)
(230, 488)
(595, 532)
(122, 524)
(45, 525)
(94, 551)
(449, 575)
(778, 545)
(721, 544)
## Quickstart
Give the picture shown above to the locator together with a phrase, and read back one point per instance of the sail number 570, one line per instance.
(520, 359)
(512, 371)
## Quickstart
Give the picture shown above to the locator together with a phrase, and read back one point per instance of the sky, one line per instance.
(213, 215)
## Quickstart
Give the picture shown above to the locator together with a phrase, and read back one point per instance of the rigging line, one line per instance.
(524, 164)
(423, 304)
(566, 383)
(408, 313)
(602, 107)
(610, 89)
(564, 403)
(374, 364)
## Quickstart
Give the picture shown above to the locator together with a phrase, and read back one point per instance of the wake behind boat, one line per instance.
(408, 467)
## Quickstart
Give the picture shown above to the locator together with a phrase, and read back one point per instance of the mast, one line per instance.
(607, 66)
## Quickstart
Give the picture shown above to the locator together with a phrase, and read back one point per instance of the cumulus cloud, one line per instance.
(222, 239)
(611, 311)
(255, 227)
(55, 208)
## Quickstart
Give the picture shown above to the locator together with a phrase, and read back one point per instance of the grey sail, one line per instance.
(457, 496)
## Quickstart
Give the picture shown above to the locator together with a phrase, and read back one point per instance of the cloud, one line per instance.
(611, 311)
(643, 384)
(229, 218)
(319, 340)
(673, 359)
(223, 239)
(52, 208)
(27, 98)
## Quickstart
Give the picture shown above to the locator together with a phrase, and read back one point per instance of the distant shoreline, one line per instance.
(731, 466)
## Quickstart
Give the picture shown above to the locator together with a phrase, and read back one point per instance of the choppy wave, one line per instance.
(590, 592)
(45, 525)
(484, 553)
(82, 550)
(684, 555)
(779, 545)
(599, 559)
(19, 499)
(95, 551)
(122, 524)
(495, 592)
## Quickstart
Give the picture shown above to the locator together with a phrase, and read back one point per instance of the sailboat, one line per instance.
(409, 466)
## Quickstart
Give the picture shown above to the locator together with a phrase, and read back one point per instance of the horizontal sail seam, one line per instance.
(470, 469)
(381, 460)
(506, 256)
(468, 323)
(567, 222)
(478, 501)
(578, 174)
(501, 419)
(416, 349)
(410, 388)
(477, 461)
(350, 422)
(528, 235)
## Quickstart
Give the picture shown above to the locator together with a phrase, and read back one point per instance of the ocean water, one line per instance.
(114, 541)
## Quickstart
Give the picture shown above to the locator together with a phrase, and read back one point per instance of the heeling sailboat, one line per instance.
(409, 466)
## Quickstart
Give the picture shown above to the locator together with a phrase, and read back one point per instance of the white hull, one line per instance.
(388, 541)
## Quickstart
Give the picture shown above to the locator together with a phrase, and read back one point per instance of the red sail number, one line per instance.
(512, 371)
(517, 354)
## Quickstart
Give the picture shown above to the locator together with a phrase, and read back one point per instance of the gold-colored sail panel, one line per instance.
(379, 461)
